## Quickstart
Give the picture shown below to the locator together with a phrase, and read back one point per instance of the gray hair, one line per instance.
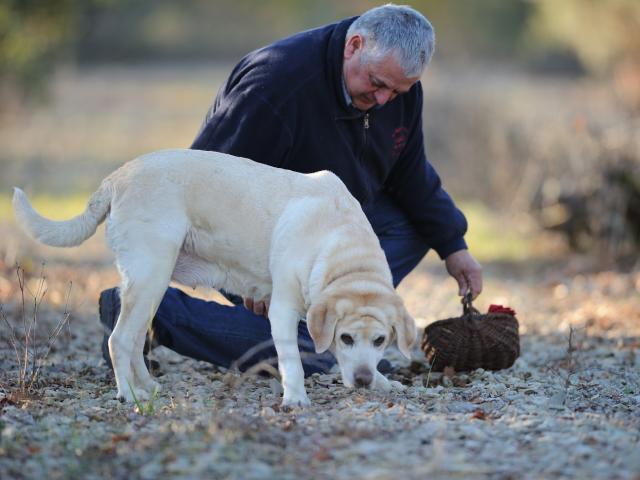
(398, 30)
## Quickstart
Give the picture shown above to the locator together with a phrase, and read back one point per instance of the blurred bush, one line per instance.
(603, 34)
(466, 29)
(33, 37)
(559, 149)
(596, 201)
(205, 30)
(151, 29)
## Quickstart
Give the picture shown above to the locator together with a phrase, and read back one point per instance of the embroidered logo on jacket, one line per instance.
(400, 137)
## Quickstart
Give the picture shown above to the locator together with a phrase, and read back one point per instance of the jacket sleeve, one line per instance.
(416, 187)
(245, 125)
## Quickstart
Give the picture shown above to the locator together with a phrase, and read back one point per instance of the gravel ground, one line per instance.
(565, 409)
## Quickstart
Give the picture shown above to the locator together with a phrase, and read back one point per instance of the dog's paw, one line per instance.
(290, 402)
(152, 386)
(130, 396)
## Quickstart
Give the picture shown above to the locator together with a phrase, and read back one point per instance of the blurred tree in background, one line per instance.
(33, 36)
(37, 35)
(229, 28)
(603, 34)
(468, 28)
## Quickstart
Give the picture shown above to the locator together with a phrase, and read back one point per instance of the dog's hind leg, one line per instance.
(142, 375)
(146, 269)
(121, 344)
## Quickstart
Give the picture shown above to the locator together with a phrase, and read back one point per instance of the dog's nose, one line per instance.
(362, 377)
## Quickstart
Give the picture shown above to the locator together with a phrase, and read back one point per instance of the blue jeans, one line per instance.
(233, 336)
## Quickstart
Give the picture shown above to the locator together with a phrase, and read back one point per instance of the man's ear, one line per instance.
(321, 322)
(353, 43)
(406, 332)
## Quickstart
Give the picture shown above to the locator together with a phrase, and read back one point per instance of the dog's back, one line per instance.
(218, 211)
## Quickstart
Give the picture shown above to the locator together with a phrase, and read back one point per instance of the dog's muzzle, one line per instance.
(362, 377)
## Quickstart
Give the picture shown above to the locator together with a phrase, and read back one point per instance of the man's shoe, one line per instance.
(109, 309)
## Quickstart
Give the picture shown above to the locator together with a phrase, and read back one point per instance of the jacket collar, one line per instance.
(335, 59)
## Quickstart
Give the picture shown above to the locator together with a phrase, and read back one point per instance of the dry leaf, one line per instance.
(479, 414)
(120, 437)
(322, 455)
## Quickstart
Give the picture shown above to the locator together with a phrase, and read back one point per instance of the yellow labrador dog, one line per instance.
(207, 218)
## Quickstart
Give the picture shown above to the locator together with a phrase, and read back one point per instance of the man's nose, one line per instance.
(362, 377)
(383, 95)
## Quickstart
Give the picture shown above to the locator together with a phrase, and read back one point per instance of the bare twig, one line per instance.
(570, 361)
(53, 335)
(571, 365)
(29, 355)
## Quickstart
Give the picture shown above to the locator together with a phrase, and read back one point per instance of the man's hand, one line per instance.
(260, 307)
(467, 272)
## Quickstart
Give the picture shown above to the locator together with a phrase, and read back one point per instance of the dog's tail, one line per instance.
(67, 233)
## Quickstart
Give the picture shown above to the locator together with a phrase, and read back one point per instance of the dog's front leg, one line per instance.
(284, 330)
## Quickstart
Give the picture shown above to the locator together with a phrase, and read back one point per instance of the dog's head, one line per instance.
(357, 328)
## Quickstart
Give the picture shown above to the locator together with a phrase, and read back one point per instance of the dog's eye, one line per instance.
(346, 339)
(378, 341)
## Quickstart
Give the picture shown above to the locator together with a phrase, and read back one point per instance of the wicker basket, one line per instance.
(474, 340)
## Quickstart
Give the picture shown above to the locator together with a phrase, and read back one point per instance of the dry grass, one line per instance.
(30, 339)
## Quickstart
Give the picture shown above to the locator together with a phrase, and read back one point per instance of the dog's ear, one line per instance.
(321, 322)
(406, 332)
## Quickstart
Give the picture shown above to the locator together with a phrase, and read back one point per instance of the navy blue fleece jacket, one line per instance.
(284, 105)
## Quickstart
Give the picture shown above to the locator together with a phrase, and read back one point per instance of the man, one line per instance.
(345, 97)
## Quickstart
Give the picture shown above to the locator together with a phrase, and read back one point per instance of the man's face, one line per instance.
(371, 84)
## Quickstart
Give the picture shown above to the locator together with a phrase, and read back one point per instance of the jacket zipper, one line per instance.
(365, 123)
(364, 137)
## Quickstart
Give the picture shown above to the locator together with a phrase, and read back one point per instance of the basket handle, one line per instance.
(467, 306)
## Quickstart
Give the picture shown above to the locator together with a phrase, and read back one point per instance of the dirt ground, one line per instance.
(568, 409)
